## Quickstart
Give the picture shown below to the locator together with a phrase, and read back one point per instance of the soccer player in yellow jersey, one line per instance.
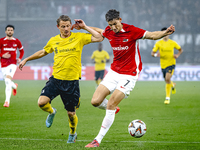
(100, 57)
(167, 61)
(67, 47)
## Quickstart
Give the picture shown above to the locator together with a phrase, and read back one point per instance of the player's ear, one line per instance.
(57, 26)
(120, 19)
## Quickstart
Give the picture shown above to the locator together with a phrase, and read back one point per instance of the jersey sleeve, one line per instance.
(93, 55)
(105, 32)
(107, 55)
(155, 48)
(86, 37)
(176, 46)
(138, 33)
(48, 48)
(19, 45)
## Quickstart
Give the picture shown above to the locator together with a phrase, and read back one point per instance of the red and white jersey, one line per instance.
(125, 45)
(10, 46)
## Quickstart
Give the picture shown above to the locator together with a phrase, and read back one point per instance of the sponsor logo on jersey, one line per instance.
(9, 49)
(120, 48)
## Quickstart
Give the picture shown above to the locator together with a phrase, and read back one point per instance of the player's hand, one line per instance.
(22, 63)
(80, 23)
(158, 54)
(76, 26)
(6, 55)
(170, 30)
(18, 60)
(176, 56)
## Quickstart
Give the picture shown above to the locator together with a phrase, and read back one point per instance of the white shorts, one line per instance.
(9, 70)
(122, 82)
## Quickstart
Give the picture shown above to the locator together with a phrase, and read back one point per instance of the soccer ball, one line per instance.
(137, 128)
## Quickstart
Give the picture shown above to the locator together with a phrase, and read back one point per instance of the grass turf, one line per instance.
(174, 126)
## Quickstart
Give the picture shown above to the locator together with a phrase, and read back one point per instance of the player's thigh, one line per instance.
(50, 91)
(115, 99)
(99, 95)
(9, 71)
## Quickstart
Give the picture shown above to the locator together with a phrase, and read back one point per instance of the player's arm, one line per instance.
(36, 55)
(159, 34)
(179, 53)
(5, 55)
(154, 52)
(96, 36)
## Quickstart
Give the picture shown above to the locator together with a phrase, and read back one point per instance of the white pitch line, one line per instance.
(27, 139)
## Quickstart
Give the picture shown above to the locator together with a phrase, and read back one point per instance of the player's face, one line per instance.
(65, 28)
(9, 32)
(115, 25)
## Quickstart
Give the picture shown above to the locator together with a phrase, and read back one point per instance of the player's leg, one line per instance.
(70, 96)
(96, 77)
(123, 89)
(48, 93)
(8, 73)
(108, 120)
(73, 122)
(172, 83)
(168, 87)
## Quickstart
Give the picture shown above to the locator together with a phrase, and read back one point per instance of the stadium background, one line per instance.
(35, 23)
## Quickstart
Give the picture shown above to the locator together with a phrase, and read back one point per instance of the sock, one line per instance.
(47, 107)
(8, 89)
(73, 121)
(172, 84)
(99, 81)
(106, 124)
(103, 105)
(168, 90)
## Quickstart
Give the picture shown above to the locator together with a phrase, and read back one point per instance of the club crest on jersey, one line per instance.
(125, 40)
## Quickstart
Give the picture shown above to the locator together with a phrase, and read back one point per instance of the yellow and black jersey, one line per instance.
(166, 49)
(67, 55)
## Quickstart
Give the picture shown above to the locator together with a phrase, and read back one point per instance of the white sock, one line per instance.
(103, 105)
(8, 89)
(106, 124)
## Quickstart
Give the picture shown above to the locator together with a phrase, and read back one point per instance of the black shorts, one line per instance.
(169, 69)
(68, 91)
(99, 74)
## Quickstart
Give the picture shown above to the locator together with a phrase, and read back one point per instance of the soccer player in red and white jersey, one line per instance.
(125, 69)
(8, 56)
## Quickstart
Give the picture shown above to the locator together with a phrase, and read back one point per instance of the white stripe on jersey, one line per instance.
(137, 58)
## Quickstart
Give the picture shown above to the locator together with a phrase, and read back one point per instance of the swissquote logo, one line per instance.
(120, 48)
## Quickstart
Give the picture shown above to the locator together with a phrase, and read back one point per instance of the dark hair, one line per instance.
(63, 18)
(11, 26)
(112, 14)
(165, 28)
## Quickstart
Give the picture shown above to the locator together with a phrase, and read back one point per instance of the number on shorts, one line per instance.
(126, 82)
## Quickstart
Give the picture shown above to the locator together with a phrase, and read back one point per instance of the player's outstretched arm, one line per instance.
(36, 55)
(159, 34)
(80, 24)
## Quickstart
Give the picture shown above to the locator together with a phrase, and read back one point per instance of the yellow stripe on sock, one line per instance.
(73, 121)
(47, 107)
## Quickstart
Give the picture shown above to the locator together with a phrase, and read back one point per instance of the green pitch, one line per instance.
(174, 126)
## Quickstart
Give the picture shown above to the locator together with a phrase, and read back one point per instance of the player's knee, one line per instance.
(95, 102)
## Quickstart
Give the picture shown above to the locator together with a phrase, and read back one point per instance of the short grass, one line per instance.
(171, 127)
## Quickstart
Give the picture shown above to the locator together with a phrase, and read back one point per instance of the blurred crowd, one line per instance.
(150, 15)
(147, 14)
